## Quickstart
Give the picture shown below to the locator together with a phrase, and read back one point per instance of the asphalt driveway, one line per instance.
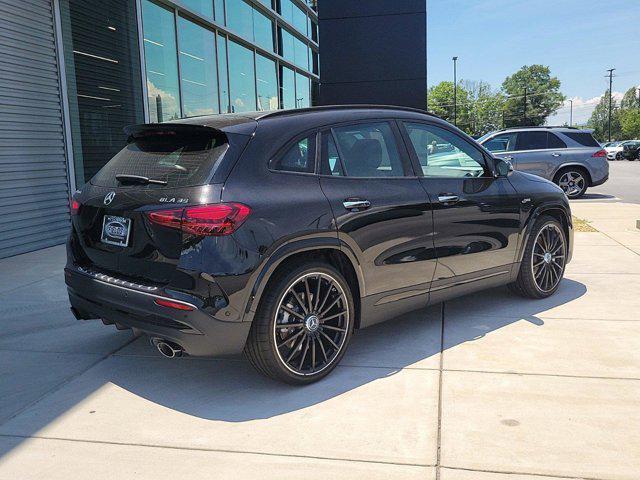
(489, 386)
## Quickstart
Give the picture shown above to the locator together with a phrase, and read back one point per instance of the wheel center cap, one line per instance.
(311, 323)
(547, 257)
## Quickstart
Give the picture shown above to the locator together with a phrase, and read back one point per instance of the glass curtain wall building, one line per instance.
(216, 56)
(135, 61)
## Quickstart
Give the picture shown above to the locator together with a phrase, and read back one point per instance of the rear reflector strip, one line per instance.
(170, 304)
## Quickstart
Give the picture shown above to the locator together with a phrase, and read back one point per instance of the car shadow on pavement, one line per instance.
(229, 390)
(232, 391)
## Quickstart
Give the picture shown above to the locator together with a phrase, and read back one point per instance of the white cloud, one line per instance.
(582, 109)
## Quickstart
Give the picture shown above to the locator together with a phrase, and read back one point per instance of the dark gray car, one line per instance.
(569, 157)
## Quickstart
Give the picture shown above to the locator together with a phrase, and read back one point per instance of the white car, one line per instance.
(614, 150)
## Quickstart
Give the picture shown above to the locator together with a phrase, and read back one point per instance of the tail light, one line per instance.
(214, 220)
(600, 153)
(75, 206)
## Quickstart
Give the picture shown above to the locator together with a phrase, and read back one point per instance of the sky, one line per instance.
(577, 39)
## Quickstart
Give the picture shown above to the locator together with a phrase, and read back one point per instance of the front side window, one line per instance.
(532, 141)
(505, 142)
(367, 150)
(300, 157)
(442, 153)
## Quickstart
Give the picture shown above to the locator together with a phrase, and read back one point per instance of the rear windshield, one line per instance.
(583, 138)
(180, 159)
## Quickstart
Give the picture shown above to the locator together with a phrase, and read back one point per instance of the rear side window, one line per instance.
(583, 138)
(532, 140)
(299, 157)
(367, 150)
(177, 159)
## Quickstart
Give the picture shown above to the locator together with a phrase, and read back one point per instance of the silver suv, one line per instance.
(569, 157)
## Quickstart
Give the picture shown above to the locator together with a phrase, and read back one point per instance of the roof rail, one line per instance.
(279, 113)
(550, 127)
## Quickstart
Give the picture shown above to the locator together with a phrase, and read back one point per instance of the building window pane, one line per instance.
(303, 95)
(241, 78)
(202, 7)
(262, 31)
(239, 18)
(286, 45)
(266, 3)
(287, 88)
(301, 54)
(197, 69)
(266, 83)
(102, 61)
(299, 19)
(161, 61)
(315, 62)
(219, 10)
(223, 75)
(314, 30)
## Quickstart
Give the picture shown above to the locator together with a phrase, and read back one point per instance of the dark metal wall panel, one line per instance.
(34, 192)
(373, 52)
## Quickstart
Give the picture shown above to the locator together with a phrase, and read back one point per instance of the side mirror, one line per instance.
(503, 167)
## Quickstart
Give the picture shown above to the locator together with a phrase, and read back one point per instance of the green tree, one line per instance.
(543, 96)
(485, 109)
(599, 119)
(631, 99)
(440, 102)
(630, 123)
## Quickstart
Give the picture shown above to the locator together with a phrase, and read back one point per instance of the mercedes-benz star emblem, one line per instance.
(108, 198)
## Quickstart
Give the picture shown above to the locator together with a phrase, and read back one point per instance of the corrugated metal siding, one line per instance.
(33, 175)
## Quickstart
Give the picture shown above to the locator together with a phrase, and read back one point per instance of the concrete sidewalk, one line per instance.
(487, 387)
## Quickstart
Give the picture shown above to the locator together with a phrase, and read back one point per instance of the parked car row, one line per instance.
(623, 150)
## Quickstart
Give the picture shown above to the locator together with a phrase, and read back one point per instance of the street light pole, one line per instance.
(610, 97)
(571, 113)
(455, 93)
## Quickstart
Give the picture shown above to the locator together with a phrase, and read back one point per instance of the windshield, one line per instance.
(170, 159)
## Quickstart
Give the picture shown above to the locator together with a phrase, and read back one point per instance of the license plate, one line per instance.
(115, 230)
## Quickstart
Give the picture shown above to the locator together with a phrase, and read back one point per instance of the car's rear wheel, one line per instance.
(544, 260)
(572, 181)
(618, 156)
(303, 324)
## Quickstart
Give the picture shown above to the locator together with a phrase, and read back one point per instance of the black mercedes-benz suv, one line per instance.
(279, 234)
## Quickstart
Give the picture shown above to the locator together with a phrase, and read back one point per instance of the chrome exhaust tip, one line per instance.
(166, 348)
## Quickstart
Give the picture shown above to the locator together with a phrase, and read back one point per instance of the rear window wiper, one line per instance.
(139, 179)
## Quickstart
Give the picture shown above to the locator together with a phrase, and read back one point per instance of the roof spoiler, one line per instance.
(144, 129)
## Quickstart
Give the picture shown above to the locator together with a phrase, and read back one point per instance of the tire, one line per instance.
(305, 352)
(529, 282)
(573, 181)
(618, 156)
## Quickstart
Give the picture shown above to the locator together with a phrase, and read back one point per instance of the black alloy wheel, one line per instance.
(544, 260)
(303, 325)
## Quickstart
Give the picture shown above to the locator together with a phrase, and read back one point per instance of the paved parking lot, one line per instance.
(487, 387)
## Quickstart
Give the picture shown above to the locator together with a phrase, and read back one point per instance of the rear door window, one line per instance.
(532, 140)
(554, 141)
(173, 159)
(583, 138)
(367, 150)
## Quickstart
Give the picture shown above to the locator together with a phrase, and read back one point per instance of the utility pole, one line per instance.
(571, 113)
(525, 106)
(610, 97)
(455, 93)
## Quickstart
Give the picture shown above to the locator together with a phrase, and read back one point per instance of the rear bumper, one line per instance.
(600, 181)
(197, 332)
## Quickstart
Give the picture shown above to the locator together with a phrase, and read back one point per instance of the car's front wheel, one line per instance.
(303, 323)
(544, 260)
(572, 181)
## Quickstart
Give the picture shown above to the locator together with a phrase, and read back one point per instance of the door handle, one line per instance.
(448, 198)
(508, 157)
(555, 154)
(356, 204)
